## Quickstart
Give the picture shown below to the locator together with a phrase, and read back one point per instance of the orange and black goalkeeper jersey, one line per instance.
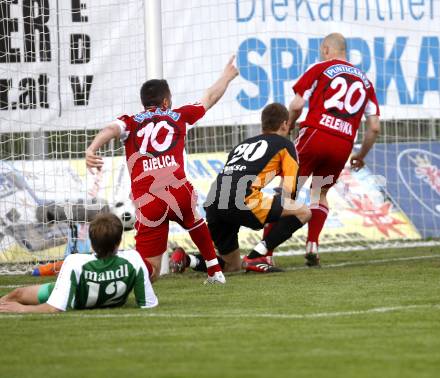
(251, 166)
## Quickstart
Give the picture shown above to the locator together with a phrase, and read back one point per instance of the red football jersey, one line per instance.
(338, 94)
(154, 146)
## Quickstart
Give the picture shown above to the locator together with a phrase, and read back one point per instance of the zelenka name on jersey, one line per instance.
(336, 124)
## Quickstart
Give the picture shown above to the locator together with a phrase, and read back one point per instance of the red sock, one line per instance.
(202, 239)
(319, 215)
(267, 228)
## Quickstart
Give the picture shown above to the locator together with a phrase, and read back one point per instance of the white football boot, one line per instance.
(217, 278)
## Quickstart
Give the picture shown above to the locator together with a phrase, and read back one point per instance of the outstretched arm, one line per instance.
(27, 295)
(109, 132)
(295, 109)
(216, 91)
(373, 130)
(25, 299)
(16, 307)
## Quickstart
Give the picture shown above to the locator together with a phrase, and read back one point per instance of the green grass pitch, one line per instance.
(363, 314)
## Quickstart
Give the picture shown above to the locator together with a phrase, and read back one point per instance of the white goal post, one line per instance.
(154, 63)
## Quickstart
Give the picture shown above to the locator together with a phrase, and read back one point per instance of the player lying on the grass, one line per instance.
(104, 279)
(236, 197)
(154, 146)
(339, 94)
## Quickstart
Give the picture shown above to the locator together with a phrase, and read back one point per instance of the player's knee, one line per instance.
(232, 261)
(303, 214)
(307, 216)
(232, 267)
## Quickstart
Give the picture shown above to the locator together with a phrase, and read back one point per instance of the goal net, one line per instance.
(70, 67)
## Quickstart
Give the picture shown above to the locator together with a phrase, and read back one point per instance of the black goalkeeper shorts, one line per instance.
(224, 224)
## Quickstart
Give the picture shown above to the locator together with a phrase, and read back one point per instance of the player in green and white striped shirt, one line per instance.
(103, 279)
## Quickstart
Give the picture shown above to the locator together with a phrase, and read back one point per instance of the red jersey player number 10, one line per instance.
(149, 135)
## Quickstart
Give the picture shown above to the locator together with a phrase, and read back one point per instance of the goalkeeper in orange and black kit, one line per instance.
(237, 199)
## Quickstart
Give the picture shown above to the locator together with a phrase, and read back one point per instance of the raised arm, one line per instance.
(295, 109)
(216, 91)
(373, 130)
(109, 132)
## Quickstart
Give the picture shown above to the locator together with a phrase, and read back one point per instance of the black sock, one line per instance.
(254, 254)
(201, 265)
(281, 231)
(221, 262)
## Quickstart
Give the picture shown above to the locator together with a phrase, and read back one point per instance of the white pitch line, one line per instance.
(14, 286)
(362, 248)
(147, 314)
(369, 262)
(326, 266)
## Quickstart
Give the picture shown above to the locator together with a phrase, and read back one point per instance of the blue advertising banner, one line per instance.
(396, 43)
(412, 173)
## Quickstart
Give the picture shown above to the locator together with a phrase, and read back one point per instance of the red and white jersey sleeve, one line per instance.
(339, 95)
(372, 107)
(191, 113)
(308, 82)
(125, 123)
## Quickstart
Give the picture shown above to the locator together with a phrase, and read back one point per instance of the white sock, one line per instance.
(192, 261)
(211, 263)
(311, 247)
(261, 248)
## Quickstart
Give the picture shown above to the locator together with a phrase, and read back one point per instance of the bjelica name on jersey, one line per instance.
(159, 162)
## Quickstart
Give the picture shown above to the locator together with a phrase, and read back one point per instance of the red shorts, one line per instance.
(155, 213)
(322, 155)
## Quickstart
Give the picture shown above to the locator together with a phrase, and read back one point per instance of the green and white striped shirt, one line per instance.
(85, 281)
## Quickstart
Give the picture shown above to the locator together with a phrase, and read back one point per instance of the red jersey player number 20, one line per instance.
(344, 95)
(339, 95)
